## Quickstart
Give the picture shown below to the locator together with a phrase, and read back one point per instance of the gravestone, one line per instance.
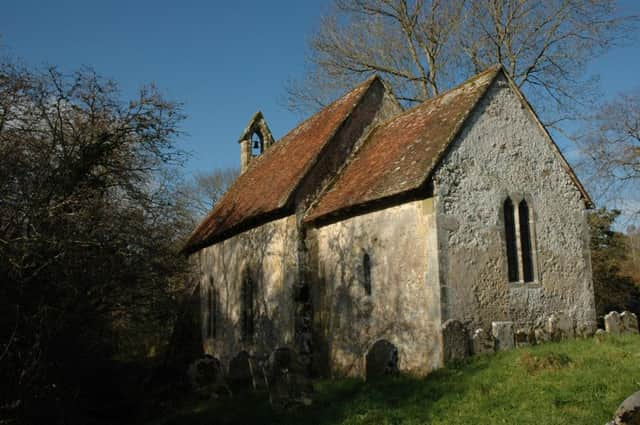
(455, 341)
(381, 360)
(628, 413)
(629, 322)
(207, 377)
(240, 377)
(586, 329)
(482, 342)
(503, 334)
(560, 326)
(288, 383)
(612, 323)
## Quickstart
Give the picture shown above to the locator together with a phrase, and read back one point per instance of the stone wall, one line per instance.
(268, 253)
(403, 307)
(503, 152)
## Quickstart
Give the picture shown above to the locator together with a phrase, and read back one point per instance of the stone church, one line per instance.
(367, 224)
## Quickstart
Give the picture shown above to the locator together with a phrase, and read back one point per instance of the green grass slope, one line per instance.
(573, 382)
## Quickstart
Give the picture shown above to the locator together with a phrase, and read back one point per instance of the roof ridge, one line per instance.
(495, 70)
(365, 86)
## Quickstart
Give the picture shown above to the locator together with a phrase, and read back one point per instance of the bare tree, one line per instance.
(89, 234)
(410, 43)
(205, 189)
(610, 146)
(422, 47)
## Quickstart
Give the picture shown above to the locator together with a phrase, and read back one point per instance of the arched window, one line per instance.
(366, 273)
(510, 237)
(525, 242)
(247, 311)
(212, 309)
(520, 243)
(257, 144)
(210, 313)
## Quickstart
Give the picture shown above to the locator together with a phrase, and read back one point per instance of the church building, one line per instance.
(367, 224)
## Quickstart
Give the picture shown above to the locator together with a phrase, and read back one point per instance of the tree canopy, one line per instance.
(89, 232)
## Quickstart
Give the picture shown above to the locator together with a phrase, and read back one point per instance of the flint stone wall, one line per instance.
(502, 152)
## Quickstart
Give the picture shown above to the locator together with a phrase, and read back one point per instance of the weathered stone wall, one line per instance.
(404, 305)
(502, 152)
(268, 253)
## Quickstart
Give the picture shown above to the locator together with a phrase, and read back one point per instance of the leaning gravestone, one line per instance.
(503, 334)
(612, 323)
(560, 326)
(628, 412)
(288, 383)
(629, 322)
(455, 341)
(381, 360)
(481, 342)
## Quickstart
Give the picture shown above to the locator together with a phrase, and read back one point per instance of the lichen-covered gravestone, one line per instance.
(482, 342)
(612, 323)
(455, 341)
(503, 334)
(629, 322)
(560, 326)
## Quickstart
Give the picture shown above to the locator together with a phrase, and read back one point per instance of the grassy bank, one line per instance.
(573, 382)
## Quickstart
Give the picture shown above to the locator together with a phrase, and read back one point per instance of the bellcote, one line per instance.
(254, 140)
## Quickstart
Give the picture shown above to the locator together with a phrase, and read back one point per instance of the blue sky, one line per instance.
(224, 60)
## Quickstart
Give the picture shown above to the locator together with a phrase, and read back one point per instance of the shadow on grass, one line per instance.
(579, 381)
(338, 401)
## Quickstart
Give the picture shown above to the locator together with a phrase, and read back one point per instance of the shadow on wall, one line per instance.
(343, 298)
(249, 312)
(345, 293)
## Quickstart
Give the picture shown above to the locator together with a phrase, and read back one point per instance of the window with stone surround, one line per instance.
(209, 312)
(526, 246)
(366, 273)
(510, 238)
(212, 310)
(519, 242)
(247, 306)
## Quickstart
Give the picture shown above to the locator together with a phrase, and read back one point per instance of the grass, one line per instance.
(573, 382)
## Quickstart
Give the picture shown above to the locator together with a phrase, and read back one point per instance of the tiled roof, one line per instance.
(265, 189)
(399, 155)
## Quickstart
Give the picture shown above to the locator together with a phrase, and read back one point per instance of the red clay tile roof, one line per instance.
(399, 156)
(265, 189)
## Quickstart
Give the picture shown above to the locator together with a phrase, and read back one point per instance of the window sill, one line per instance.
(532, 285)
